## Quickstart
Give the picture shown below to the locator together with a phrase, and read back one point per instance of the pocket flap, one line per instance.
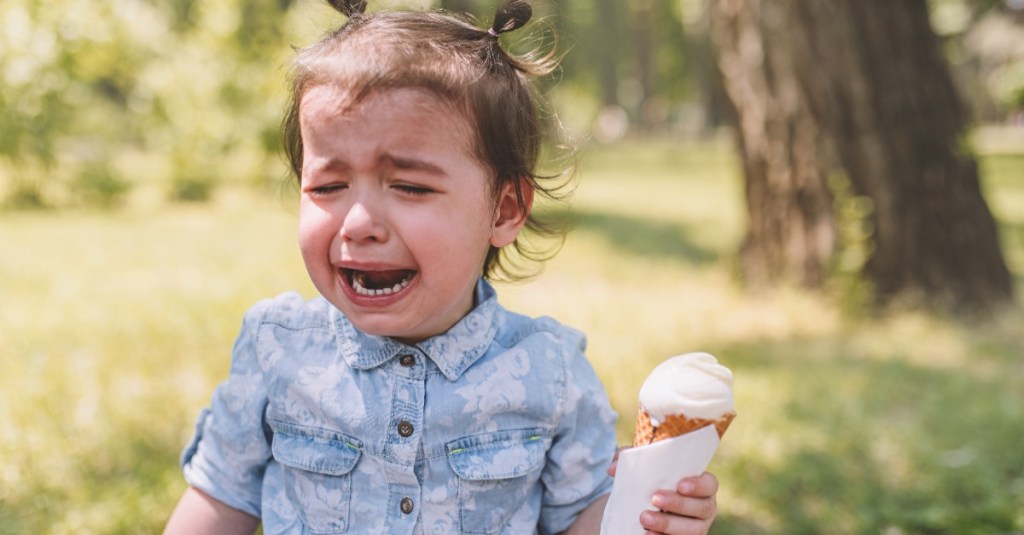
(316, 450)
(498, 455)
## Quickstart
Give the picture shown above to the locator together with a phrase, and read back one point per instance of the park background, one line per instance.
(145, 206)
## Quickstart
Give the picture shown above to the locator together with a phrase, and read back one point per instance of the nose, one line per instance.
(364, 222)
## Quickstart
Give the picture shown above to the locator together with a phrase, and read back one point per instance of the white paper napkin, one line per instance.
(645, 469)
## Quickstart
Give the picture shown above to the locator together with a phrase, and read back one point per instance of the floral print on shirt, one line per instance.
(498, 426)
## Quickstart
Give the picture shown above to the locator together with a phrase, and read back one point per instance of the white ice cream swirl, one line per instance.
(694, 384)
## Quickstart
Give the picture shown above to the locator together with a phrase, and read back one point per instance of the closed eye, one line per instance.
(416, 191)
(326, 189)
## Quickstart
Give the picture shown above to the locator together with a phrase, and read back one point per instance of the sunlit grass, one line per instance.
(114, 330)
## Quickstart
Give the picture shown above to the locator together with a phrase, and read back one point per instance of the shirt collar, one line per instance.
(453, 351)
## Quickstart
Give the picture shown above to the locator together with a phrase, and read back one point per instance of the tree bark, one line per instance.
(867, 79)
(882, 88)
(606, 50)
(790, 233)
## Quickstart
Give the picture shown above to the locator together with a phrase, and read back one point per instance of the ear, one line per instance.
(509, 217)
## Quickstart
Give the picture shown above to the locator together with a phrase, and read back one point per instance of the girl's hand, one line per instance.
(689, 510)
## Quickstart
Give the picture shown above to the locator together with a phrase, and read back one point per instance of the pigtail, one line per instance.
(349, 7)
(511, 15)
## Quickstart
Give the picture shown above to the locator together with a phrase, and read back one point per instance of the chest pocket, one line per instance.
(318, 466)
(496, 473)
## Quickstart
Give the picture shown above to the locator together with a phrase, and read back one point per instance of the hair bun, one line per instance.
(511, 15)
(349, 7)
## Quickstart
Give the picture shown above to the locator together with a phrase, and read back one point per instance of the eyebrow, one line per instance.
(400, 162)
(333, 164)
(413, 164)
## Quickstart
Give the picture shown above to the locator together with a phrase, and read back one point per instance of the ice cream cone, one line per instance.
(673, 426)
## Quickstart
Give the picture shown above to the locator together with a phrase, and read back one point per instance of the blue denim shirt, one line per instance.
(499, 425)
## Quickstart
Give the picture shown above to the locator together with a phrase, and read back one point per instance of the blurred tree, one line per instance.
(606, 46)
(865, 82)
(196, 85)
(790, 233)
(65, 76)
(87, 86)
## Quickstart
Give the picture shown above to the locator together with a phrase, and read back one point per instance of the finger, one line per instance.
(685, 506)
(658, 522)
(615, 460)
(703, 486)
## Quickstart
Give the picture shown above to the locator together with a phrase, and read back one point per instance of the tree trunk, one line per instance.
(790, 233)
(606, 50)
(868, 81)
(880, 85)
(641, 17)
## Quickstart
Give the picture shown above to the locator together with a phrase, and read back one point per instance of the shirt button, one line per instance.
(407, 360)
(406, 505)
(404, 429)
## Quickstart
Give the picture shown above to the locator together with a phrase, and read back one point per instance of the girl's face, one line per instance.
(396, 213)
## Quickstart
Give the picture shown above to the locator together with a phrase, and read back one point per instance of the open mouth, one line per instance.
(375, 283)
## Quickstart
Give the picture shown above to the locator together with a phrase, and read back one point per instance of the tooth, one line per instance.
(360, 288)
(359, 285)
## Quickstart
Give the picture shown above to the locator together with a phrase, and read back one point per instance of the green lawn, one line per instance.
(114, 329)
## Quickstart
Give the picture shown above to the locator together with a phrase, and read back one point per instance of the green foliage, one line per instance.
(98, 185)
(1004, 185)
(199, 84)
(191, 82)
(855, 243)
(24, 195)
(1008, 84)
(191, 189)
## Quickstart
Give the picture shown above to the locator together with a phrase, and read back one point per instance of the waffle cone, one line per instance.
(675, 425)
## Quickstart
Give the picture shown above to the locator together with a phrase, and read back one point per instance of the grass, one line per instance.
(114, 329)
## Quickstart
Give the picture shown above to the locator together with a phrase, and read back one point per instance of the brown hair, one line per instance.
(445, 54)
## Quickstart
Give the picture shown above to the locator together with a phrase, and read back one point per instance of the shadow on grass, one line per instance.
(640, 236)
(879, 446)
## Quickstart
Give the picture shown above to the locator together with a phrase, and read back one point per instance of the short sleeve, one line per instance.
(576, 472)
(229, 452)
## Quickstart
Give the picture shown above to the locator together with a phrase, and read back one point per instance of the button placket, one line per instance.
(402, 444)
